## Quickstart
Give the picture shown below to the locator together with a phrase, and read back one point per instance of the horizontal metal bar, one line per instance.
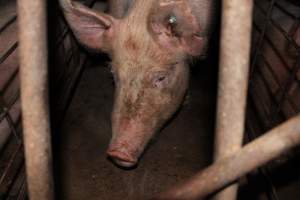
(263, 171)
(255, 154)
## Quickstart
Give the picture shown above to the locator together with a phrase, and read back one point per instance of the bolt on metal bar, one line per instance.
(34, 98)
(253, 155)
(233, 82)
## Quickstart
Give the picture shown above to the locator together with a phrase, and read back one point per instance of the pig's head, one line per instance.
(149, 49)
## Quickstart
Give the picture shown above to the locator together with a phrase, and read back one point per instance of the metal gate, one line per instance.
(273, 98)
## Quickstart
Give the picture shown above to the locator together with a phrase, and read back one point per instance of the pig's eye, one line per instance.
(160, 79)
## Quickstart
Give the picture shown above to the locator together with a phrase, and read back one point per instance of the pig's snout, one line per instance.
(123, 155)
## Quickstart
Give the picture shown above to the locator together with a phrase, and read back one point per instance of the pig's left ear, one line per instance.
(92, 29)
(175, 27)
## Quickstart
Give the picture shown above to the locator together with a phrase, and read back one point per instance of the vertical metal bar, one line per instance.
(34, 97)
(233, 82)
(223, 172)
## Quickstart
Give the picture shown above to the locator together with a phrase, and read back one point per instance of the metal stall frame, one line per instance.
(34, 97)
(224, 172)
(233, 82)
(260, 118)
(12, 175)
(34, 94)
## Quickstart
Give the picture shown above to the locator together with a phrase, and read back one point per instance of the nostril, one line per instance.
(121, 158)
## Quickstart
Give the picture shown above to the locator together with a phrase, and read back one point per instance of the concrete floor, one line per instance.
(180, 150)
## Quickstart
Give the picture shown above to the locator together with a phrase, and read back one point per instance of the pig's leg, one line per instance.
(118, 8)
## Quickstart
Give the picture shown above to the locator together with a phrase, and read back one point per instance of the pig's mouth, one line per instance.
(124, 153)
(122, 159)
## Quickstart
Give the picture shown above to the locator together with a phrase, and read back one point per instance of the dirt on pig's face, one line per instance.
(150, 85)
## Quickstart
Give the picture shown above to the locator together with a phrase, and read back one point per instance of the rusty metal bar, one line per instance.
(233, 82)
(34, 97)
(224, 172)
(263, 171)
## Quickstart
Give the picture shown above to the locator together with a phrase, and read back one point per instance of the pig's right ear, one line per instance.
(174, 26)
(93, 29)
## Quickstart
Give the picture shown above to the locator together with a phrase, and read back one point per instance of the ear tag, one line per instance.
(172, 19)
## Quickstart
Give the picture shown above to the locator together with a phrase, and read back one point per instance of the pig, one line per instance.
(150, 43)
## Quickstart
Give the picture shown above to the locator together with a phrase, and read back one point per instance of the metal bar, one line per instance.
(261, 39)
(287, 96)
(280, 29)
(8, 52)
(288, 85)
(12, 127)
(34, 98)
(286, 35)
(9, 22)
(285, 11)
(255, 154)
(263, 171)
(6, 107)
(233, 82)
(10, 162)
(275, 50)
